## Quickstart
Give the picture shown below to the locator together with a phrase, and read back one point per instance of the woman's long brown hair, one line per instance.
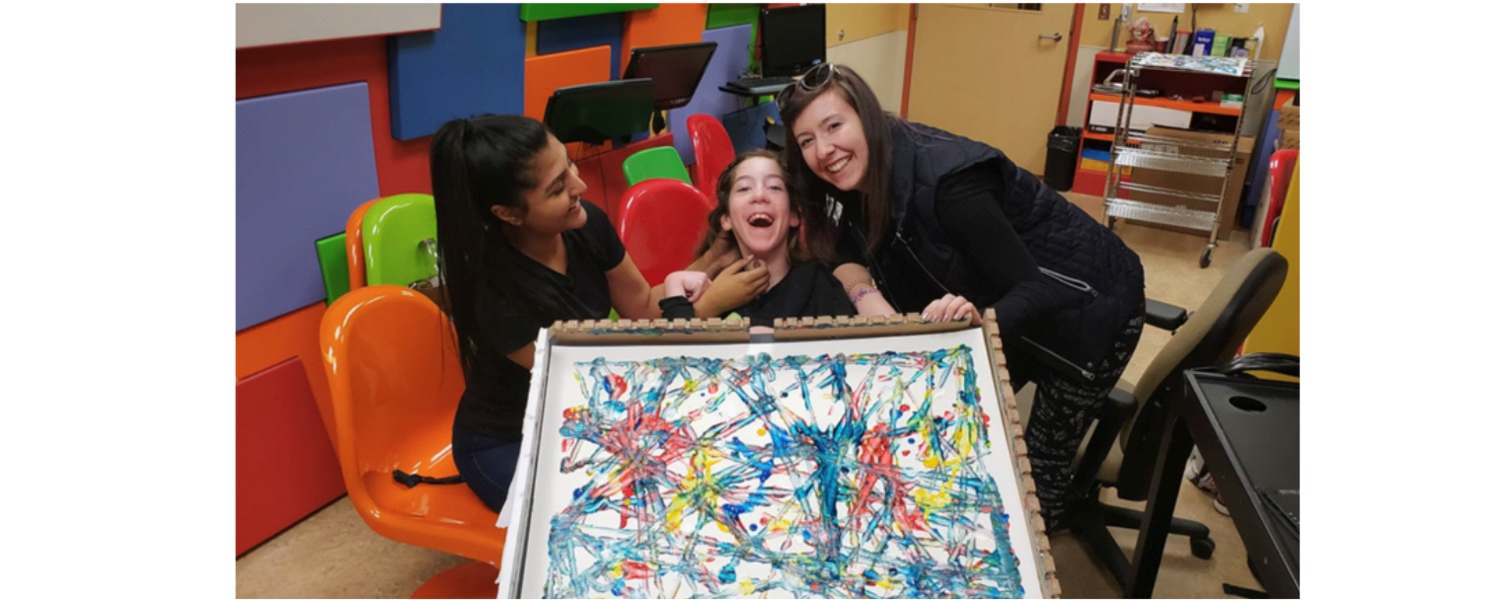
(821, 230)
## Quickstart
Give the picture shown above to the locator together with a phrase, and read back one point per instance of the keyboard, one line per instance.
(762, 85)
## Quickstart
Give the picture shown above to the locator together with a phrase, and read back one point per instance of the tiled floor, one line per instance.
(332, 554)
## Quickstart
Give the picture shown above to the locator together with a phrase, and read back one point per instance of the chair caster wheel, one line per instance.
(1203, 548)
(1205, 258)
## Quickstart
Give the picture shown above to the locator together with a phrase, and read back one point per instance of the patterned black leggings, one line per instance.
(1060, 414)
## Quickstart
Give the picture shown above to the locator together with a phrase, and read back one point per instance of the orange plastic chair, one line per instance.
(354, 244)
(661, 224)
(395, 379)
(714, 152)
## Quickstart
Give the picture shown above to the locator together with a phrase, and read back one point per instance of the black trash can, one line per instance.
(1062, 156)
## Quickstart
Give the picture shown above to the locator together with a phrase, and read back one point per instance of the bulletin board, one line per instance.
(849, 457)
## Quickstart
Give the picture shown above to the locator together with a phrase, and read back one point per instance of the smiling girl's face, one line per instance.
(760, 209)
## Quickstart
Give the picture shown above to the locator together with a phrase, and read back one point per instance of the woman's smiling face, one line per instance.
(760, 209)
(832, 141)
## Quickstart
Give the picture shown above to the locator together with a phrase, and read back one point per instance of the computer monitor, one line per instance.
(596, 112)
(676, 69)
(792, 39)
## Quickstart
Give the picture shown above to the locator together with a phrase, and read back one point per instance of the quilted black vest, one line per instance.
(1100, 278)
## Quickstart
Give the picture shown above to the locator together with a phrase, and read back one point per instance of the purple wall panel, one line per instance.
(303, 161)
(731, 59)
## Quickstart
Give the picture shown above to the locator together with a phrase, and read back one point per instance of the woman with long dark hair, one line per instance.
(920, 213)
(518, 249)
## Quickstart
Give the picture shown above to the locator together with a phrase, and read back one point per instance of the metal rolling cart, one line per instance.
(1176, 155)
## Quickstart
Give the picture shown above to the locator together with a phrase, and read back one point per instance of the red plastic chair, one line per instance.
(661, 224)
(713, 149)
(393, 371)
(1279, 173)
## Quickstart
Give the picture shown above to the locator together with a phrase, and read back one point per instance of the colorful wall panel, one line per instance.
(729, 15)
(285, 468)
(561, 35)
(303, 161)
(547, 72)
(472, 65)
(269, 24)
(474, 62)
(665, 25)
(543, 12)
(292, 336)
(728, 62)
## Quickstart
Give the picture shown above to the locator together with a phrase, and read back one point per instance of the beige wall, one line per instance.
(874, 45)
(1218, 17)
(860, 21)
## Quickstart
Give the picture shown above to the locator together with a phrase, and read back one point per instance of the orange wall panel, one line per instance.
(664, 25)
(547, 72)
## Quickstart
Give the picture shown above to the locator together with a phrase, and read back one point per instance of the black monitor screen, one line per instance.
(792, 39)
(596, 112)
(675, 69)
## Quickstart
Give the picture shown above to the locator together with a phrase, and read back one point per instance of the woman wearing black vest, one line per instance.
(921, 214)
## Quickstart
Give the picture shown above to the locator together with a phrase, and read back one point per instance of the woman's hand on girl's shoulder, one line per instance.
(735, 286)
(691, 284)
(949, 308)
(721, 254)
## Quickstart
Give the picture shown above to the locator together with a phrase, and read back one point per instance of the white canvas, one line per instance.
(739, 470)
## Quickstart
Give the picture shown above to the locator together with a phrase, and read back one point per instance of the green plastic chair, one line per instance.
(400, 239)
(661, 162)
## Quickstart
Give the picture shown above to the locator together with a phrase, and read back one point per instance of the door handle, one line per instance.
(1056, 37)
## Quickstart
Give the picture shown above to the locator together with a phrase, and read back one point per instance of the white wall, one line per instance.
(269, 24)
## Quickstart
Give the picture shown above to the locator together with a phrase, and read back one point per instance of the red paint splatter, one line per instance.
(636, 569)
(617, 387)
(905, 408)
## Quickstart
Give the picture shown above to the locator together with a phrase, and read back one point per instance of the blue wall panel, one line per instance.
(732, 58)
(576, 33)
(475, 64)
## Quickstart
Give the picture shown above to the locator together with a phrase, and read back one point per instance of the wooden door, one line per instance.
(992, 73)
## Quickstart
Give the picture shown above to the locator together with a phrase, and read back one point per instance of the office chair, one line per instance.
(393, 371)
(1136, 415)
(714, 152)
(662, 224)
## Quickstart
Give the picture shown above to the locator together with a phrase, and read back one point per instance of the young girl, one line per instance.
(756, 213)
(518, 249)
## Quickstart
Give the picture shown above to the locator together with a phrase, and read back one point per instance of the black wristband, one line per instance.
(676, 307)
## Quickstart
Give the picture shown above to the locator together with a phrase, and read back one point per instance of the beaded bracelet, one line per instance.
(862, 293)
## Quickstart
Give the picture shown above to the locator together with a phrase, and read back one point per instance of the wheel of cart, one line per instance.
(1206, 258)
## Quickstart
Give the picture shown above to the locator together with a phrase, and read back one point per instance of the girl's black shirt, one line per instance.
(809, 289)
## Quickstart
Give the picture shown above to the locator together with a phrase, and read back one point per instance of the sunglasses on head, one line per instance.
(812, 81)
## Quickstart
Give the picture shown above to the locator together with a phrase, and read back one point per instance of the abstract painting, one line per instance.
(822, 470)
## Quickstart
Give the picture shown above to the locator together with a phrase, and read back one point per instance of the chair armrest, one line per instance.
(1165, 316)
(1118, 406)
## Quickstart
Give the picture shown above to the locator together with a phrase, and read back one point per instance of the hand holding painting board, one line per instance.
(863, 457)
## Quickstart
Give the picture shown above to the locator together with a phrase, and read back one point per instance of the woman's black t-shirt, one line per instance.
(521, 296)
